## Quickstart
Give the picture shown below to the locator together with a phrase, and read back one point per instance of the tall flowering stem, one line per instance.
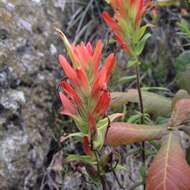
(84, 94)
(126, 25)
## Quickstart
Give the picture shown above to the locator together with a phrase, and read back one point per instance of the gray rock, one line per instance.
(27, 83)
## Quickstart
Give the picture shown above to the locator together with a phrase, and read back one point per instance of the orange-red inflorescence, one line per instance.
(84, 94)
(127, 14)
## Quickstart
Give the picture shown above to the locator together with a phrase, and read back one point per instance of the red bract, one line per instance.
(92, 126)
(86, 146)
(85, 95)
(126, 20)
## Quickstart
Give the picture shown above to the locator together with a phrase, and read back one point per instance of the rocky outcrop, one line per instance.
(28, 69)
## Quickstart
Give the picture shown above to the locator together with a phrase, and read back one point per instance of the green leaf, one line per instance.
(165, 3)
(139, 33)
(77, 134)
(102, 128)
(184, 26)
(134, 118)
(141, 44)
(120, 167)
(101, 131)
(153, 103)
(80, 158)
(155, 144)
(127, 78)
(132, 62)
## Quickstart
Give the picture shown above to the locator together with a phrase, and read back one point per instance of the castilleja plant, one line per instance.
(85, 96)
(126, 25)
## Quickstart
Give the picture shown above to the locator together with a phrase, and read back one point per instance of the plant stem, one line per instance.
(101, 177)
(139, 93)
(141, 110)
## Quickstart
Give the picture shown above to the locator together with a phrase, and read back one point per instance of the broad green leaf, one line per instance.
(169, 169)
(153, 103)
(120, 133)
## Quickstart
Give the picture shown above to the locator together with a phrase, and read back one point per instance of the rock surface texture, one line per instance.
(28, 69)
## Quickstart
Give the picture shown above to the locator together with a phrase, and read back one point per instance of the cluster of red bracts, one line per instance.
(85, 96)
(127, 14)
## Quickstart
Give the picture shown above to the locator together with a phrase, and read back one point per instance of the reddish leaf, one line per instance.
(69, 71)
(169, 170)
(92, 126)
(181, 112)
(139, 11)
(71, 92)
(86, 146)
(97, 56)
(102, 104)
(126, 133)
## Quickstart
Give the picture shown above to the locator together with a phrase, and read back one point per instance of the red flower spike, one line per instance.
(90, 49)
(122, 43)
(86, 146)
(70, 91)
(131, 2)
(102, 104)
(82, 78)
(92, 126)
(96, 58)
(68, 108)
(110, 22)
(69, 71)
(127, 13)
(122, 8)
(108, 66)
(140, 7)
(79, 57)
(104, 74)
(85, 53)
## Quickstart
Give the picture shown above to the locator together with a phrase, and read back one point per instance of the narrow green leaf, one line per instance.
(80, 158)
